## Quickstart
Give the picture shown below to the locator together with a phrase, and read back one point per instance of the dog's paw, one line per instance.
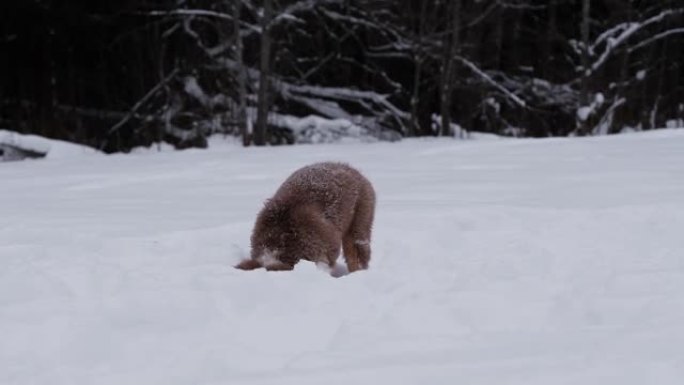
(339, 270)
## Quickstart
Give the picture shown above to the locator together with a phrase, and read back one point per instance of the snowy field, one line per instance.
(557, 261)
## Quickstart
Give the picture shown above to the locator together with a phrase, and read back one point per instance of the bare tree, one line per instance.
(241, 76)
(451, 45)
(421, 53)
(260, 132)
(188, 69)
(583, 121)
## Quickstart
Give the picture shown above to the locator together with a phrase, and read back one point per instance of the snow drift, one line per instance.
(50, 148)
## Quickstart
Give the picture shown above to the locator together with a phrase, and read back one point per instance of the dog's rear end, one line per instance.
(318, 210)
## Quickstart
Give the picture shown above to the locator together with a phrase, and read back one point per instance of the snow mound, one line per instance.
(317, 129)
(53, 149)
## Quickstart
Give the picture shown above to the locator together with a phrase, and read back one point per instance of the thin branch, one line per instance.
(201, 12)
(142, 101)
(655, 38)
(491, 81)
(628, 31)
(321, 63)
(521, 6)
(607, 34)
(484, 14)
(190, 12)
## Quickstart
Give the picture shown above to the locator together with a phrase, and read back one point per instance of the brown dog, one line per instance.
(315, 211)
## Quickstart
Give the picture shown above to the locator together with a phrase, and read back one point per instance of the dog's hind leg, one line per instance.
(359, 234)
(351, 255)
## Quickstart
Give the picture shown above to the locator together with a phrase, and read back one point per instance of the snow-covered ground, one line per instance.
(557, 261)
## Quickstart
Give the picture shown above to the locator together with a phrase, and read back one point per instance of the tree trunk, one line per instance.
(451, 49)
(414, 126)
(549, 38)
(260, 134)
(241, 77)
(583, 124)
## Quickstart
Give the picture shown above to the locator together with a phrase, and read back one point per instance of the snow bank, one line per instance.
(316, 129)
(675, 123)
(25, 142)
(53, 149)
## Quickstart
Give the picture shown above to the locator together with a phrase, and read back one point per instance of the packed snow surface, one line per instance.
(556, 261)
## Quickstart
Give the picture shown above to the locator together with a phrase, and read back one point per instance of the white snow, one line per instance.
(554, 261)
(316, 129)
(25, 142)
(674, 123)
(599, 98)
(193, 88)
(583, 112)
(458, 132)
(54, 149)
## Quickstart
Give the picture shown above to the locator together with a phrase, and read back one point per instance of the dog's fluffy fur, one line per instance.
(315, 211)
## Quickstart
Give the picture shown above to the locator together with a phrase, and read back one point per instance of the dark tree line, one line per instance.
(119, 74)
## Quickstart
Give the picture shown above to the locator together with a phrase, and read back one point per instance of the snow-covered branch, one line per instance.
(143, 100)
(325, 101)
(618, 35)
(191, 12)
(606, 122)
(305, 5)
(655, 38)
(343, 94)
(491, 81)
(608, 34)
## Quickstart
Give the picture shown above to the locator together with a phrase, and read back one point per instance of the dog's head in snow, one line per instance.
(274, 239)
